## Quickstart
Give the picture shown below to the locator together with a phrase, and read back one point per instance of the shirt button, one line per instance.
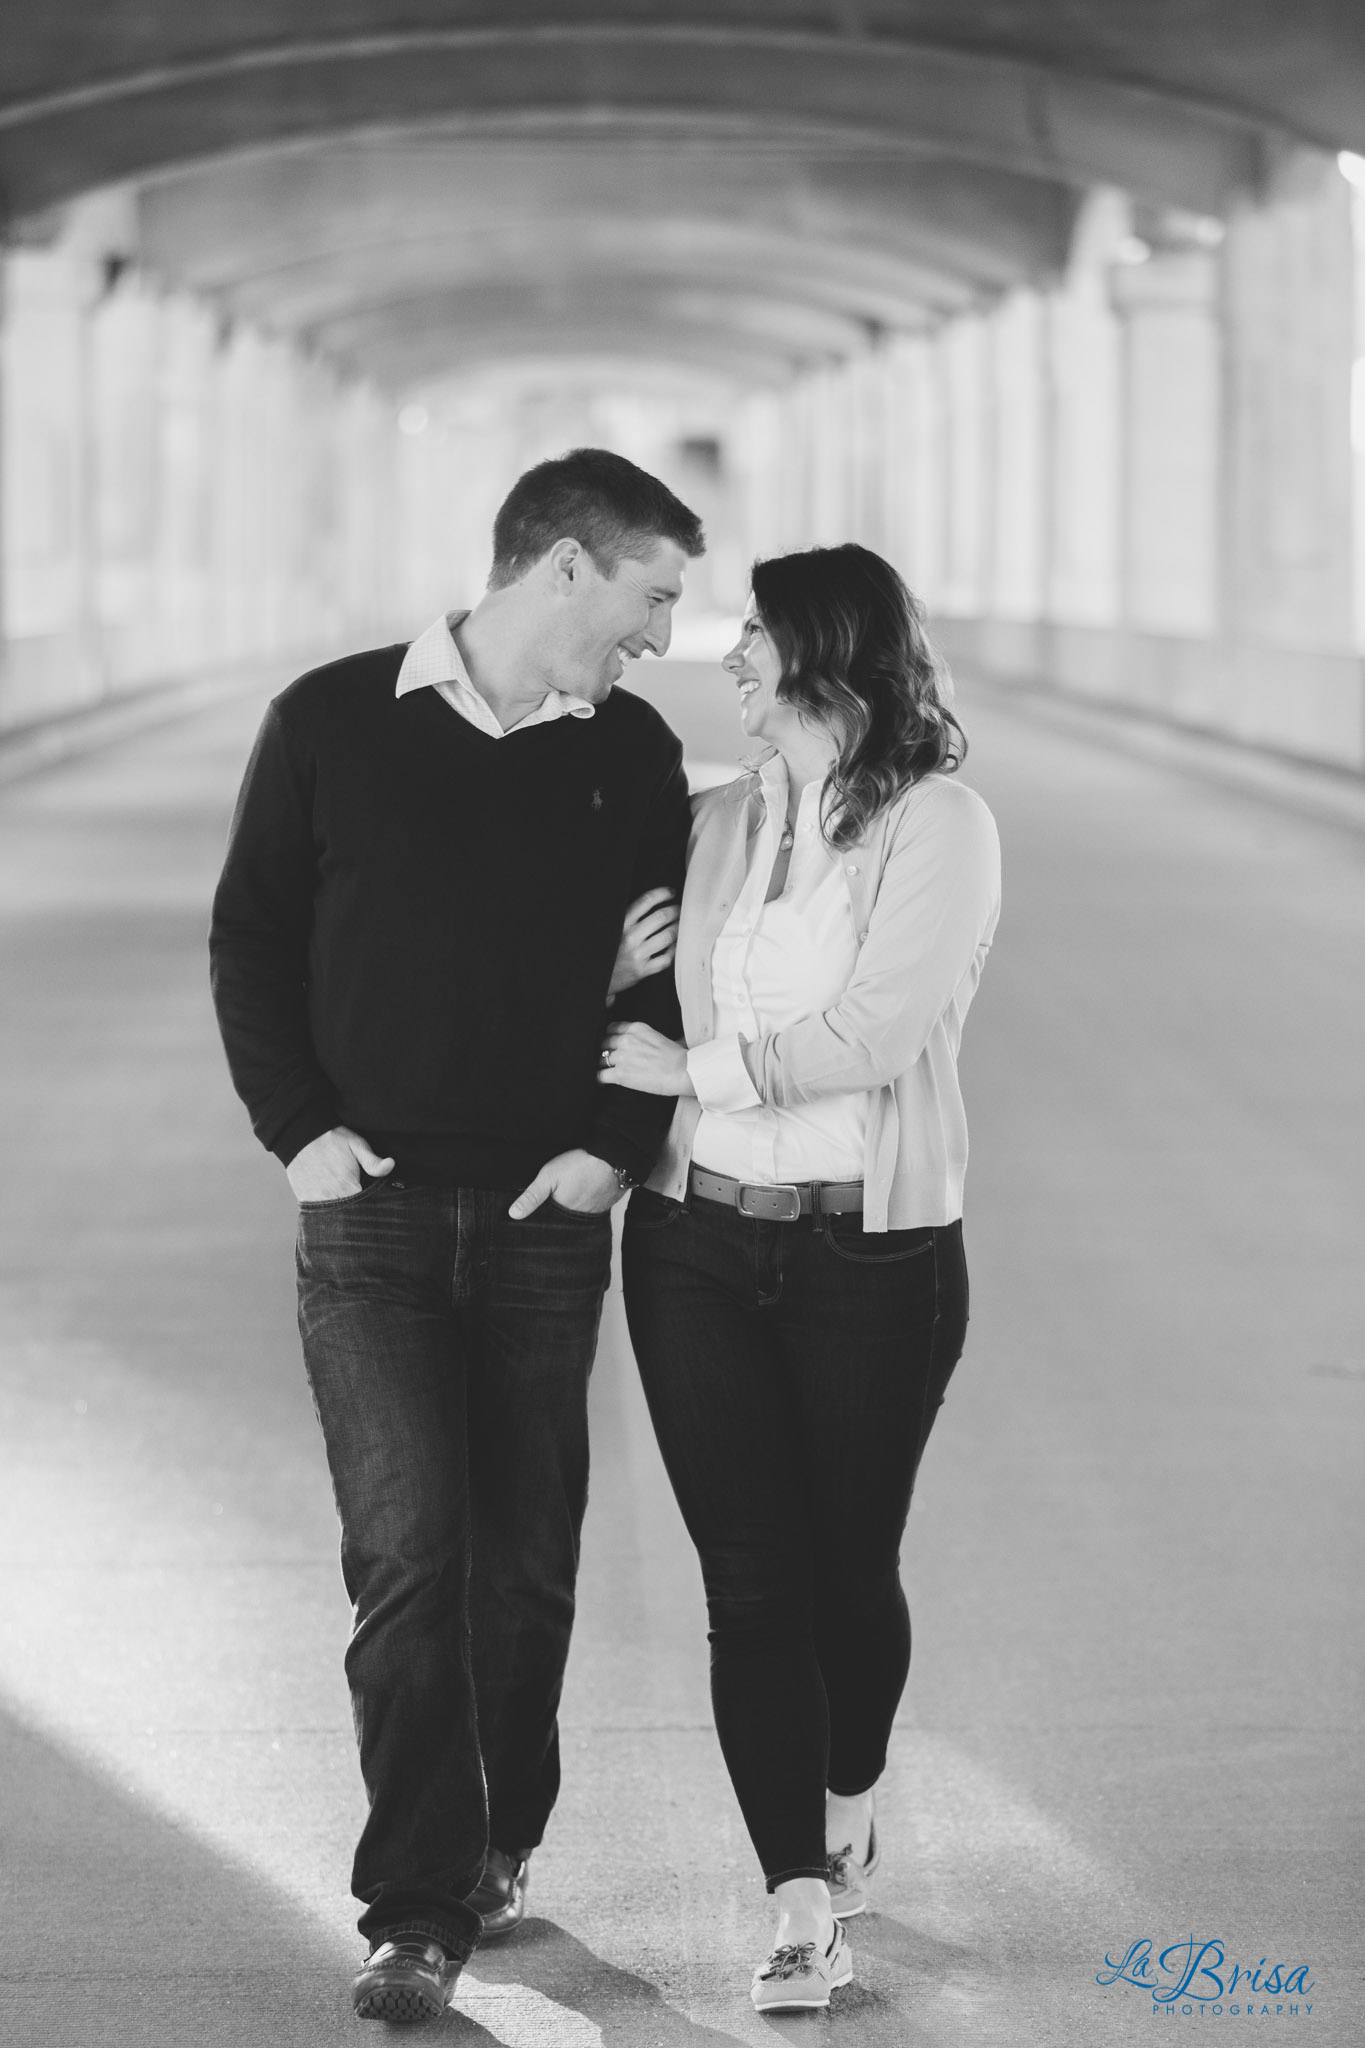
(862, 938)
(852, 868)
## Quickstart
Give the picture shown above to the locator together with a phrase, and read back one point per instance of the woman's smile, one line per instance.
(752, 663)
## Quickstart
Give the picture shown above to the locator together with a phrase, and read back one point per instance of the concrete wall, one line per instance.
(180, 498)
(1137, 484)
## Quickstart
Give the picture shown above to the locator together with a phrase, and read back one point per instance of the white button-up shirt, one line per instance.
(772, 964)
(434, 661)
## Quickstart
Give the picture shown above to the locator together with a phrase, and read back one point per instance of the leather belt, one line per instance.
(778, 1201)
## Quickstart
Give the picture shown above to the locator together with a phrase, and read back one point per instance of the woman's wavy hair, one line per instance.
(856, 658)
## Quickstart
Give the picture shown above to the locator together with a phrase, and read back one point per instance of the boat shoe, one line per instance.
(798, 1978)
(849, 1880)
(407, 1979)
(500, 1898)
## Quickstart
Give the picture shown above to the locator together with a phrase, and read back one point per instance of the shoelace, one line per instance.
(792, 1961)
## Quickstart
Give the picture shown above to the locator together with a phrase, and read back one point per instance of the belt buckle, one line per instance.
(767, 1189)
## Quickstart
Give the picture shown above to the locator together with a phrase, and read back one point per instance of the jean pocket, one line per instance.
(344, 1201)
(650, 1211)
(555, 1208)
(847, 1239)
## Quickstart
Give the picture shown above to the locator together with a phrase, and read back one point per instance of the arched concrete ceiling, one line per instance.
(409, 342)
(437, 181)
(307, 242)
(267, 218)
(1168, 96)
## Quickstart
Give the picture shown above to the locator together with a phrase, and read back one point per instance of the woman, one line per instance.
(793, 1269)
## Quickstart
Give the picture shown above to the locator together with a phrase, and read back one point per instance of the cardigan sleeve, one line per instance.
(936, 906)
(720, 1077)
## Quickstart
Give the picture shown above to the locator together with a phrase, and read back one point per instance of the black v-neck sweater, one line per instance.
(416, 926)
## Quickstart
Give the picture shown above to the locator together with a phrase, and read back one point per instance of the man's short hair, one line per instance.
(615, 510)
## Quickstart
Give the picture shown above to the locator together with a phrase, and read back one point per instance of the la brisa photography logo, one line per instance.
(1197, 1979)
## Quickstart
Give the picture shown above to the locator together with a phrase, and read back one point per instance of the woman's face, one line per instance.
(754, 664)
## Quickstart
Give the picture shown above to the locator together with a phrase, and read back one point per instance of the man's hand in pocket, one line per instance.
(328, 1169)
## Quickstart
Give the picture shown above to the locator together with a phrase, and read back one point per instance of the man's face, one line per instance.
(613, 619)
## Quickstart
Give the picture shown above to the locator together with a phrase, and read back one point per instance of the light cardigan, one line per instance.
(924, 885)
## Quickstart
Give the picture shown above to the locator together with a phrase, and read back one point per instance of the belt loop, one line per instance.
(817, 1207)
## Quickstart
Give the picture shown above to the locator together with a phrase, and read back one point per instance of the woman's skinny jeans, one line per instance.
(793, 1372)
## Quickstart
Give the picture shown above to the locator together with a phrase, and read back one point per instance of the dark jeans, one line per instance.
(448, 1349)
(793, 1372)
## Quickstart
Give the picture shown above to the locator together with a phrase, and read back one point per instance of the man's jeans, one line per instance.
(448, 1349)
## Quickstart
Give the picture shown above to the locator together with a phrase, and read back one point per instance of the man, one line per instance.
(412, 944)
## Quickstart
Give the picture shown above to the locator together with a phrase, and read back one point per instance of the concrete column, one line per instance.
(1084, 361)
(917, 489)
(295, 522)
(1018, 550)
(799, 466)
(315, 395)
(1171, 452)
(832, 479)
(430, 552)
(964, 358)
(368, 514)
(1289, 313)
(868, 407)
(1353, 170)
(230, 464)
(285, 459)
(51, 657)
(125, 385)
(184, 537)
(758, 454)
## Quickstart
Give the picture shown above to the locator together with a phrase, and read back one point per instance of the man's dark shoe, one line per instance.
(500, 1898)
(407, 1979)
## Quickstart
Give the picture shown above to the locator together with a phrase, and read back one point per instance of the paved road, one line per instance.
(1134, 1559)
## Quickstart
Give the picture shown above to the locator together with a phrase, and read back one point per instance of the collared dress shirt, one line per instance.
(772, 964)
(434, 661)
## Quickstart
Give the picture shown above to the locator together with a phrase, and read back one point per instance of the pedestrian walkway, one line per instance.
(1134, 1558)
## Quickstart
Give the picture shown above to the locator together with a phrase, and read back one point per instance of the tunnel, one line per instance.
(1059, 307)
(1060, 314)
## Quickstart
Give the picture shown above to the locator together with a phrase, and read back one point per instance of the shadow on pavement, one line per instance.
(629, 2011)
(122, 1928)
(909, 1948)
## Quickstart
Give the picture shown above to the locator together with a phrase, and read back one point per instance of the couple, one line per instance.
(438, 946)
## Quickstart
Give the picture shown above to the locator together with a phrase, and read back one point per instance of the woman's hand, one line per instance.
(638, 1056)
(649, 938)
